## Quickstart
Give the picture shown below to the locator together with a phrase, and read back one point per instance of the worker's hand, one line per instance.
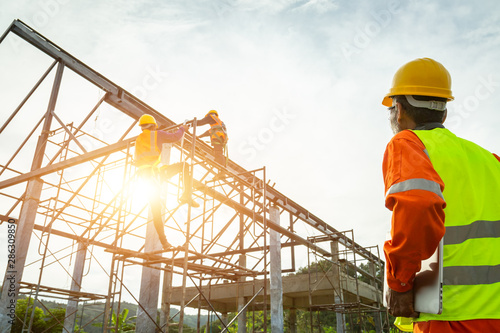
(401, 304)
(184, 127)
(426, 278)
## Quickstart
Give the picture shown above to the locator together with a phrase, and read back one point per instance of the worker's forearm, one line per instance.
(204, 121)
(164, 137)
(417, 227)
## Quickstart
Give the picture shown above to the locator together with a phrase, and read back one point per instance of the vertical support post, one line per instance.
(166, 297)
(276, 281)
(14, 274)
(76, 284)
(166, 294)
(225, 318)
(264, 233)
(188, 236)
(150, 283)
(373, 282)
(242, 318)
(339, 299)
(292, 319)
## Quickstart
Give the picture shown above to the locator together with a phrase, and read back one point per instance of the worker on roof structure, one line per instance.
(147, 159)
(439, 185)
(218, 137)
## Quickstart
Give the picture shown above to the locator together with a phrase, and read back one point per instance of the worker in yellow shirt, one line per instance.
(147, 158)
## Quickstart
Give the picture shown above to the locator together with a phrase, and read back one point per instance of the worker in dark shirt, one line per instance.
(218, 137)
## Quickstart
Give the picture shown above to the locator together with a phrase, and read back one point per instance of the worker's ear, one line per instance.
(400, 112)
(444, 116)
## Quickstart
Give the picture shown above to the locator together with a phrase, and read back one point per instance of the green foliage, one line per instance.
(318, 266)
(124, 323)
(121, 323)
(379, 274)
(89, 317)
(216, 326)
(325, 266)
(55, 320)
(327, 320)
(42, 322)
(185, 329)
(78, 329)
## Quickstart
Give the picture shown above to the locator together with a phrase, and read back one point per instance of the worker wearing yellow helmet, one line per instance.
(439, 186)
(218, 137)
(147, 158)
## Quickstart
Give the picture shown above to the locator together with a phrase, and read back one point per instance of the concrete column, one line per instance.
(166, 296)
(275, 272)
(292, 319)
(339, 299)
(242, 319)
(76, 284)
(225, 318)
(14, 271)
(376, 316)
(150, 284)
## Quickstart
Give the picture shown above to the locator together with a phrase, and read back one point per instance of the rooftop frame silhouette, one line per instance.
(62, 202)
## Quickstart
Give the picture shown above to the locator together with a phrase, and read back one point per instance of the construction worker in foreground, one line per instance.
(218, 137)
(147, 158)
(438, 185)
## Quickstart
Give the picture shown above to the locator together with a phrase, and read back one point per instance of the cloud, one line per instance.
(327, 63)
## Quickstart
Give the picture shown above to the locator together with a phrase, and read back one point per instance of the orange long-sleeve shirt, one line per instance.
(417, 225)
(418, 215)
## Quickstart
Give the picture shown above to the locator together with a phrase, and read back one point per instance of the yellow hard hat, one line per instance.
(214, 112)
(420, 77)
(147, 119)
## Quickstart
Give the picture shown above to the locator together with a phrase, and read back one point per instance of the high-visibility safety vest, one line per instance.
(146, 149)
(218, 132)
(471, 254)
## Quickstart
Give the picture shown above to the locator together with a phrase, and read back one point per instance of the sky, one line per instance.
(299, 84)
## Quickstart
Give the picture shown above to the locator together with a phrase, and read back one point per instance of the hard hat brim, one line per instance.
(387, 101)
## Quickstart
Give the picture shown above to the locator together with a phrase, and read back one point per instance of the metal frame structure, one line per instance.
(68, 213)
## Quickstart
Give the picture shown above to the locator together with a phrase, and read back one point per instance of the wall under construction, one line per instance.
(83, 229)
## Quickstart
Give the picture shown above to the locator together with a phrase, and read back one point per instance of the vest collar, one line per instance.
(428, 126)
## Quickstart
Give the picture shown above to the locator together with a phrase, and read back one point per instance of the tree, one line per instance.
(54, 322)
(378, 273)
(24, 308)
(78, 329)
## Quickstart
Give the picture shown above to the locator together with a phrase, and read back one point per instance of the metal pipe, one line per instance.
(188, 223)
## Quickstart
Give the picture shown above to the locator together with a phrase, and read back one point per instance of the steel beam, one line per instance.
(248, 212)
(134, 107)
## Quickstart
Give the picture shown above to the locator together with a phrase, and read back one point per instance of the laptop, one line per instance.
(428, 284)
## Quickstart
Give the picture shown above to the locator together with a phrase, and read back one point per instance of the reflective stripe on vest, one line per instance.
(478, 229)
(218, 134)
(146, 149)
(471, 258)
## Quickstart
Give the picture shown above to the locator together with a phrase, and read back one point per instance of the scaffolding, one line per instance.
(347, 271)
(84, 233)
